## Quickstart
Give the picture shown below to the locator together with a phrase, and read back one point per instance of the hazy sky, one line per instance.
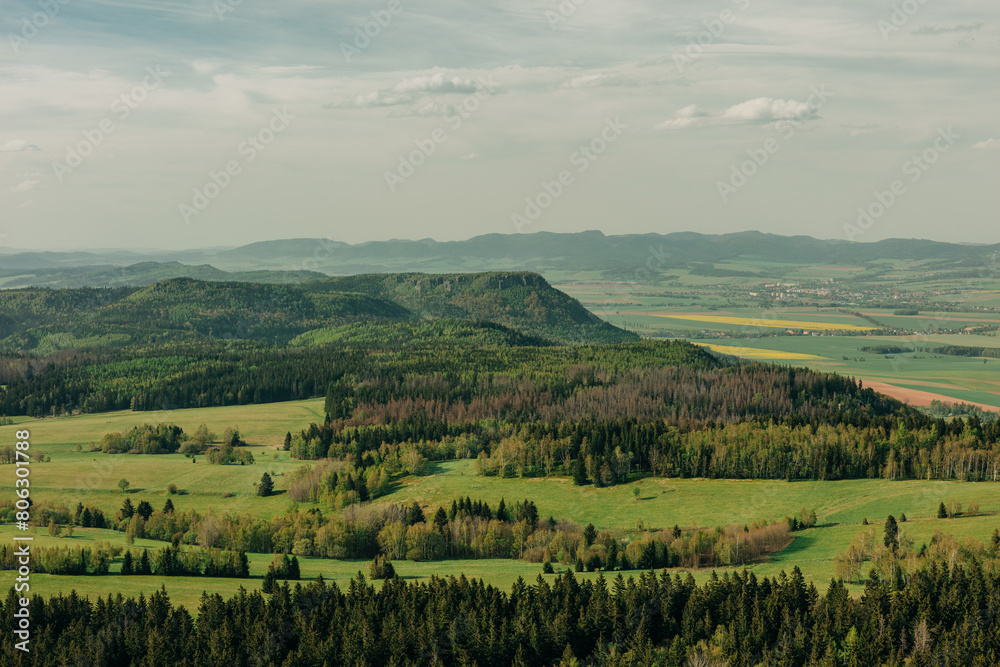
(722, 116)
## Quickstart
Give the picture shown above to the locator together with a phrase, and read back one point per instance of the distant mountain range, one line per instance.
(297, 260)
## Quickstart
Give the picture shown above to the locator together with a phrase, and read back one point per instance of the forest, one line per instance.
(519, 380)
(943, 615)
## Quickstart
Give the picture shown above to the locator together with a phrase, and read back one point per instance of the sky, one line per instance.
(187, 124)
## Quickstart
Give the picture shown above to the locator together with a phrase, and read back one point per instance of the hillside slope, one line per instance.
(181, 309)
(520, 300)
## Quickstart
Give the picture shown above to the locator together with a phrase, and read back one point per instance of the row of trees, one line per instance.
(942, 615)
(77, 561)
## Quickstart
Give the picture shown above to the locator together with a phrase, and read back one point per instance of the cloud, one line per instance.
(412, 89)
(599, 80)
(24, 186)
(766, 109)
(689, 116)
(989, 143)
(944, 29)
(758, 110)
(17, 146)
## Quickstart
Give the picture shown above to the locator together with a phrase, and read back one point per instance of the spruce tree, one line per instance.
(266, 486)
(128, 509)
(441, 520)
(891, 539)
(502, 511)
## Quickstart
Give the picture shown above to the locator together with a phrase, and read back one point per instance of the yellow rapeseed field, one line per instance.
(772, 324)
(757, 353)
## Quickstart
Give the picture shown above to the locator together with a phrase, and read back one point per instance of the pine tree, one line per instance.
(127, 509)
(414, 514)
(144, 566)
(266, 486)
(942, 512)
(579, 472)
(145, 510)
(891, 539)
(168, 507)
(441, 520)
(502, 511)
(287, 446)
(244, 566)
(269, 582)
(127, 563)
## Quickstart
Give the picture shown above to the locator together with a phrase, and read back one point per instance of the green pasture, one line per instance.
(92, 477)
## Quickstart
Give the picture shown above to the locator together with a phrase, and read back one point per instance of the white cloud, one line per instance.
(24, 186)
(598, 80)
(989, 143)
(766, 109)
(945, 29)
(17, 146)
(758, 110)
(689, 116)
(412, 89)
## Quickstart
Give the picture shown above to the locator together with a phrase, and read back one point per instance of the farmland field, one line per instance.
(822, 317)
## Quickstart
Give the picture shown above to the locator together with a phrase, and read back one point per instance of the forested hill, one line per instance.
(43, 321)
(520, 300)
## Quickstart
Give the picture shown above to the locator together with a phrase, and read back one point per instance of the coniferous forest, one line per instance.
(941, 616)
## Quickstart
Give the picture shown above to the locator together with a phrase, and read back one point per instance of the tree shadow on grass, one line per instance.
(431, 468)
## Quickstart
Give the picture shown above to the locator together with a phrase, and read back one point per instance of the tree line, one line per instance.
(942, 615)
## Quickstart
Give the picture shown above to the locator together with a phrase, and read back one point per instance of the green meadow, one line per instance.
(92, 477)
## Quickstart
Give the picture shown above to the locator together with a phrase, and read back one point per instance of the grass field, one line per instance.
(747, 304)
(92, 477)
